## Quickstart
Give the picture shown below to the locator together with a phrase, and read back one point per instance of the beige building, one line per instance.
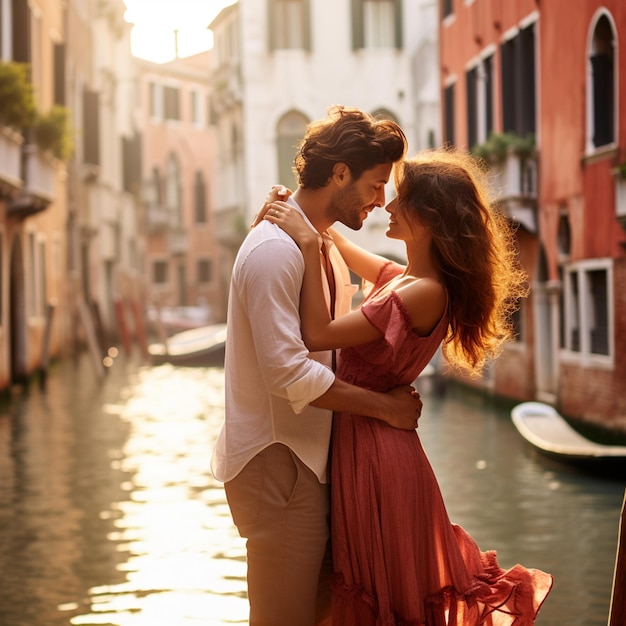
(33, 209)
(69, 177)
(181, 264)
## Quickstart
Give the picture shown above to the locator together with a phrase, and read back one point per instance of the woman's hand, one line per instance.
(290, 220)
(277, 192)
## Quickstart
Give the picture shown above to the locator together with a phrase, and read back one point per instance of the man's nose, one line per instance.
(380, 197)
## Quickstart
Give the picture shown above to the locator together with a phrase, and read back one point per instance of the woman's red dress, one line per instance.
(398, 559)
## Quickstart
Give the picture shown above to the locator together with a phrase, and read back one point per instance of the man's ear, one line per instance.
(341, 173)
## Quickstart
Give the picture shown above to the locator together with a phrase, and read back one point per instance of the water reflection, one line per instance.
(109, 514)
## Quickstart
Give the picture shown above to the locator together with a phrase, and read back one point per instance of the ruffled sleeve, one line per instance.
(391, 317)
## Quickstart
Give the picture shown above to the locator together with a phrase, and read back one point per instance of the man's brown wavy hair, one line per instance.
(473, 245)
(349, 136)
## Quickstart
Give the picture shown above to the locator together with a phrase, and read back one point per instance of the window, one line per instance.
(32, 274)
(59, 73)
(448, 102)
(517, 323)
(1, 277)
(518, 83)
(43, 279)
(172, 192)
(156, 100)
(447, 8)
(91, 127)
(171, 103)
(376, 24)
(205, 271)
(289, 25)
(479, 81)
(196, 117)
(131, 160)
(587, 314)
(156, 187)
(601, 90)
(199, 192)
(21, 30)
(291, 129)
(159, 272)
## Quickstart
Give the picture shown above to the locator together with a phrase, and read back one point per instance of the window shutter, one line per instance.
(357, 24)
(91, 127)
(59, 73)
(398, 24)
(271, 29)
(306, 26)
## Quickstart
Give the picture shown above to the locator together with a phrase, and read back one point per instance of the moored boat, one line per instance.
(546, 430)
(202, 346)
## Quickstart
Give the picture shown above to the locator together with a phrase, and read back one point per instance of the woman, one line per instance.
(398, 559)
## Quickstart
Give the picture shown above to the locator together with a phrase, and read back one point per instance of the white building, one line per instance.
(280, 64)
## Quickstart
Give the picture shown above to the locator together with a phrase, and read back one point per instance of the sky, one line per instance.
(155, 21)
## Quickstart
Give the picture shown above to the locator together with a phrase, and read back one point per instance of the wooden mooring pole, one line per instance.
(617, 612)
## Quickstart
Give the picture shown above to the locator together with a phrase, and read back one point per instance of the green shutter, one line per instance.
(306, 11)
(357, 24)
(271, 34)
(398, 18)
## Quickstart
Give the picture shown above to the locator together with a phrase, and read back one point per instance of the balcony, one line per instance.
(514, 182)
(227, 91)
(10, 162)
(38, 191)
(158, 218)
(230, 226)
(178, 241)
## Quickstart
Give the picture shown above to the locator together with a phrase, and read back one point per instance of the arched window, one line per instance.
(172, 192)
(290, 130)
(156, 189)
(601, 92)
(385, 114)
(199, 193)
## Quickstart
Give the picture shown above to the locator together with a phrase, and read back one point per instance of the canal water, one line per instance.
(109, 514)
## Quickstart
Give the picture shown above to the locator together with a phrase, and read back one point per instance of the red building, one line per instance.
(537, 88)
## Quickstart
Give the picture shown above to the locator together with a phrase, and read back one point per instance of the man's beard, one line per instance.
(346, 207)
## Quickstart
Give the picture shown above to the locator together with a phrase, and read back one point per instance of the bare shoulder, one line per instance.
(426, 300)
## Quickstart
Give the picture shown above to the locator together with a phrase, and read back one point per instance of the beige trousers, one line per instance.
(282, 509)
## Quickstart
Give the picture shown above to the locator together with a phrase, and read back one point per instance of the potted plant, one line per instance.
(499, 145)
(619, 171)
(17, 102)
(51, 132)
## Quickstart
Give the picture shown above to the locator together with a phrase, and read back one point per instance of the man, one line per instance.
(272, 451)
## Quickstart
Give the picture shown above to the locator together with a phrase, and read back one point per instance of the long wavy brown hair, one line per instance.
(474, 247)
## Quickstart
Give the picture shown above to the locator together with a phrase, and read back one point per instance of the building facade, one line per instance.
(553, 135)
(182, 262)
(68, 225)
(279, 65)
(33, 196)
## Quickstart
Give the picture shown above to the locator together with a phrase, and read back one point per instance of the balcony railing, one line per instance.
(227, 90)
(230, 226)
(515, 183)
(39, 175)
(158, 218)
(10, 161)
(178, 240)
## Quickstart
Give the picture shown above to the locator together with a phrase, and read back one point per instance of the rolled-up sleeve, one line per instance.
(271, 279)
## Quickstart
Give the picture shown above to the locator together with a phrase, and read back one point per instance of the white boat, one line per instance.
(545, 429)
(203, 346)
